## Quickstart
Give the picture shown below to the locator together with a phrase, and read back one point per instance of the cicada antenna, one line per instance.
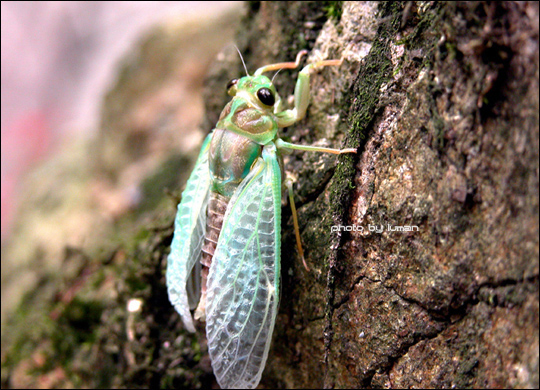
(240, 54)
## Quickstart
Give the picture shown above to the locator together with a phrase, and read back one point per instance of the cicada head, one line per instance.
(259, 90)
(251, 111)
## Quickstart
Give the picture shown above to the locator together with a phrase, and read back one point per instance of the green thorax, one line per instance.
(246, 115)
(230, 158)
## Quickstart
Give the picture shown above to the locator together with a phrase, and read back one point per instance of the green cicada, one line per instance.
(229, 222)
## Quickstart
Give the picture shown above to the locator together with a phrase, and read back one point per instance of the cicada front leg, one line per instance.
(301, 102)
(302, 94)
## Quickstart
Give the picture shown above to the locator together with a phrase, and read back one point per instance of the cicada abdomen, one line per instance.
(217, 205)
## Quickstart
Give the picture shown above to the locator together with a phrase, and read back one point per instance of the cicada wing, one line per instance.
(189, 228)
(243, 281)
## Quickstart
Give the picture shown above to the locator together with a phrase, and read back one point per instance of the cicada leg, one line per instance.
(288, 184)
(280, 144)
(301, 101)
(301, 94)
(282, 65)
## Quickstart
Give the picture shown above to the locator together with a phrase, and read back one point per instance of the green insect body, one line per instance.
(229, 220)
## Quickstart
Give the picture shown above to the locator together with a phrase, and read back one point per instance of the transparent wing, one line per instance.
(189, 228)
(243, 281)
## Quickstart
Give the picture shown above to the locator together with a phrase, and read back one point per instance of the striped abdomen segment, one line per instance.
(217, 205)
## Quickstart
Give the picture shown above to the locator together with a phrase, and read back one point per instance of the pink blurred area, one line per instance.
(58, 59)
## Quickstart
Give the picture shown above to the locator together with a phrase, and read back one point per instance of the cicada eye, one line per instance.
(231, 83)
(266, 96)
(231, 87)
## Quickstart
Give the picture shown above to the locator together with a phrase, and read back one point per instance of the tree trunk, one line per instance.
(423, 247)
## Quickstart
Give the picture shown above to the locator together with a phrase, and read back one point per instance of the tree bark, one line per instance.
(423, 247)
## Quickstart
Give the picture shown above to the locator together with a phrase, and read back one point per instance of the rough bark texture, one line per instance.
(441, 99)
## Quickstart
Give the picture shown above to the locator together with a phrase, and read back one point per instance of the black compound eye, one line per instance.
(232, 83)
(266, 96)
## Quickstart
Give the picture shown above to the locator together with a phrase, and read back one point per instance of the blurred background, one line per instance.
(58, 58)
(95, 97)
